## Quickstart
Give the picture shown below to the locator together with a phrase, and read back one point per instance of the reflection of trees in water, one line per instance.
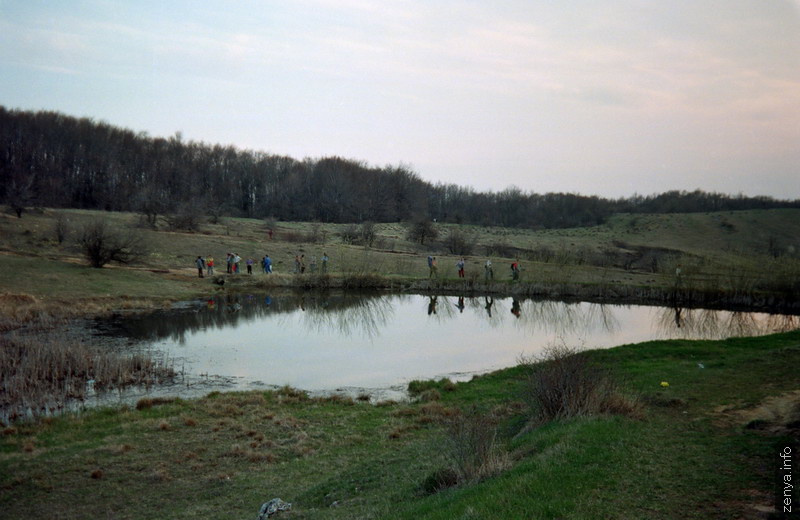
(366, 316)
(349, 314)
(551, 317)
(565, 319)
(715, 324)
(346, 313)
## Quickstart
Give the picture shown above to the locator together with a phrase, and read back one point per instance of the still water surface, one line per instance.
(328, 342)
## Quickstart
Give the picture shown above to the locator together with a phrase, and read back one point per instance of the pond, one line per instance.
(352, 342)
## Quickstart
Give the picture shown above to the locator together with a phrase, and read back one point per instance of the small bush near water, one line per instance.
(564, 383)
(46, 370)
(472, 451)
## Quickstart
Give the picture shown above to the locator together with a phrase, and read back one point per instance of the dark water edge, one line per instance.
(786, 300)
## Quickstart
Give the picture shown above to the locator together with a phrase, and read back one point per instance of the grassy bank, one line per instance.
(703, 447)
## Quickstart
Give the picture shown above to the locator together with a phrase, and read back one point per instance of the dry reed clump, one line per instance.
(337, 399)
(472, 451)
(564, 383)
(288, 395)
(430, 395)
(45, 370)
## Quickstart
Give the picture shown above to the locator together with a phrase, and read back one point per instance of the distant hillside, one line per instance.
(54, 160)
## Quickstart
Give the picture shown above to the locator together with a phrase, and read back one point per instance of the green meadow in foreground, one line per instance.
(703, 442)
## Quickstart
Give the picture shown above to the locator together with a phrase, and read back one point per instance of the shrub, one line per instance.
(61, 227)
(102, 244)
(421, 230)
(471, 447)
(565, 383)
(459, 243)
(417, 387)
(350, 234)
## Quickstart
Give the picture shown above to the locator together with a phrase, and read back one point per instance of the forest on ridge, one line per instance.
(54, 160)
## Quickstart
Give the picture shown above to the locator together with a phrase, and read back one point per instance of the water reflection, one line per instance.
(349, 314)
(325, 341)
(346, 314)
(713, 324)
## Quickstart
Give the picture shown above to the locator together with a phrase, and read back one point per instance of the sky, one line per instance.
(609, 98)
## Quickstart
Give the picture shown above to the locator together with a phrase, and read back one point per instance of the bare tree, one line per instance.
(61, 227)
(19, 195)
(368, 233)
(151, 203)
(186, 216)
(459, 243)
(101, 243)
(421, 230)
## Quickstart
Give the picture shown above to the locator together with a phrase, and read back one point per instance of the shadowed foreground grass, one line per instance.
(694, 453)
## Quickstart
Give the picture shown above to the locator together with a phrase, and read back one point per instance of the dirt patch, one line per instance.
(778, 414)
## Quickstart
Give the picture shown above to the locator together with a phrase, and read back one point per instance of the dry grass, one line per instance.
(471, 448)
(44, 371)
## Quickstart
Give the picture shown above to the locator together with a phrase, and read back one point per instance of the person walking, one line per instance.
(250, 266)
(515, 270)
(324, 262)
(236, 260)
(267, 265)
(201, 265)
(210, 265)
(460, 266)
(488, 270)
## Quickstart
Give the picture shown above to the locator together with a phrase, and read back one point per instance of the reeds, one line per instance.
(45, 371)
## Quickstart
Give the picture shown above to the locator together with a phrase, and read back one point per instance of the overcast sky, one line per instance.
(603, 98)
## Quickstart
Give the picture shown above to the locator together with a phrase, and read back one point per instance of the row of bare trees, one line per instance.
(54, 160)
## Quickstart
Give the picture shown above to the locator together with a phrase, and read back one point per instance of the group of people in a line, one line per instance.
(233, 262)
(300, 264)
(488, 269)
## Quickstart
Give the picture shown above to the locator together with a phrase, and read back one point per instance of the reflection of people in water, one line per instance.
(515, 310)
(489, 302)
(267, 300)
(432, 305)
(211, 304)
(460, 304)
(678, 317)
